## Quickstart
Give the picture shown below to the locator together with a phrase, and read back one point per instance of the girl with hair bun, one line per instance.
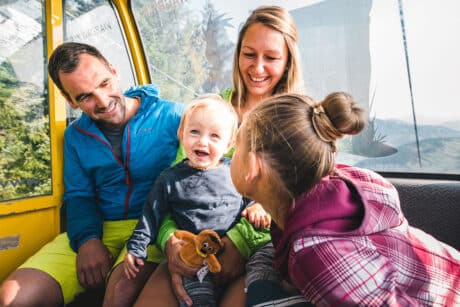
(339, 234)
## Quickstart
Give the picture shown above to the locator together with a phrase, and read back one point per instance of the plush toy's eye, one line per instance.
(210, 248)
(205, 244)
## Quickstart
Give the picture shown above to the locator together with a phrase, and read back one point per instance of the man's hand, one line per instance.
(177, 269)
(175, 263)
(93, 263)
(232, 263)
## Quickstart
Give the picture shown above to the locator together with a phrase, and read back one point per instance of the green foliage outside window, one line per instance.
(25, 162)
(185, 51)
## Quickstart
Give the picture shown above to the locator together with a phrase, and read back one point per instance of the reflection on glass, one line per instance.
(95, 23)
(371, 49)
(25, 163)
(188, 46)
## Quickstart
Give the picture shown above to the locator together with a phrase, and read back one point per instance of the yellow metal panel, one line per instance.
(29, 223)
(29, 204)
(54, 37)
(21, 235)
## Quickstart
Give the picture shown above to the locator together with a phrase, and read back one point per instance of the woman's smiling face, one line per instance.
(262, 60)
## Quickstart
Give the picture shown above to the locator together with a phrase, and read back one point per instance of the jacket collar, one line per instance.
(351, 202)
(148, 94)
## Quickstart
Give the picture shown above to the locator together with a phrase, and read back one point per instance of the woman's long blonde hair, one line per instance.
(280, 20)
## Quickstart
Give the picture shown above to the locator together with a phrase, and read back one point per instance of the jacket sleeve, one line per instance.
(344, 272)
(167, 228)
(84, 219)
(155, 208)
(246, 239)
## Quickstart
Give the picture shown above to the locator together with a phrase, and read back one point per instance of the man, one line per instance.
(112, 156)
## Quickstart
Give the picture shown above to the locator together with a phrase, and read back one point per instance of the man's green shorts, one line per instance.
(59, 260)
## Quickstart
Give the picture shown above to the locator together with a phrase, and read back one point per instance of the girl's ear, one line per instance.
(253, 167)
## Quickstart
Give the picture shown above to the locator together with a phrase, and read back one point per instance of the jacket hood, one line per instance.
(150, 91)
(350, 202)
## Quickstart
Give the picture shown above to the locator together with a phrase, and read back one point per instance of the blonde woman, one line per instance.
(266, 62)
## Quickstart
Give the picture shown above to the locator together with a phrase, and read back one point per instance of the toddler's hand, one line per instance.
(131, 265)
(257, 216)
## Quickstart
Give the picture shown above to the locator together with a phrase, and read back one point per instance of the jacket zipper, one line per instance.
(125, 166)
(129, 181)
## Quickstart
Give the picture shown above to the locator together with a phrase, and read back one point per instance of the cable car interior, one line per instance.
(398, 58)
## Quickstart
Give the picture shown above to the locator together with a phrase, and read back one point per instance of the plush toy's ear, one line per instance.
(184, 235)
(214, 237)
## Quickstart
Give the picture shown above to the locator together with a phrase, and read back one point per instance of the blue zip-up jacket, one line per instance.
(99, 186)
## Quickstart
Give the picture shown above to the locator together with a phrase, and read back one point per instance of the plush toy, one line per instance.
(200, 249)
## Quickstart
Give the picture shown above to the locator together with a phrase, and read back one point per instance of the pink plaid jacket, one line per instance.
(347, 243)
